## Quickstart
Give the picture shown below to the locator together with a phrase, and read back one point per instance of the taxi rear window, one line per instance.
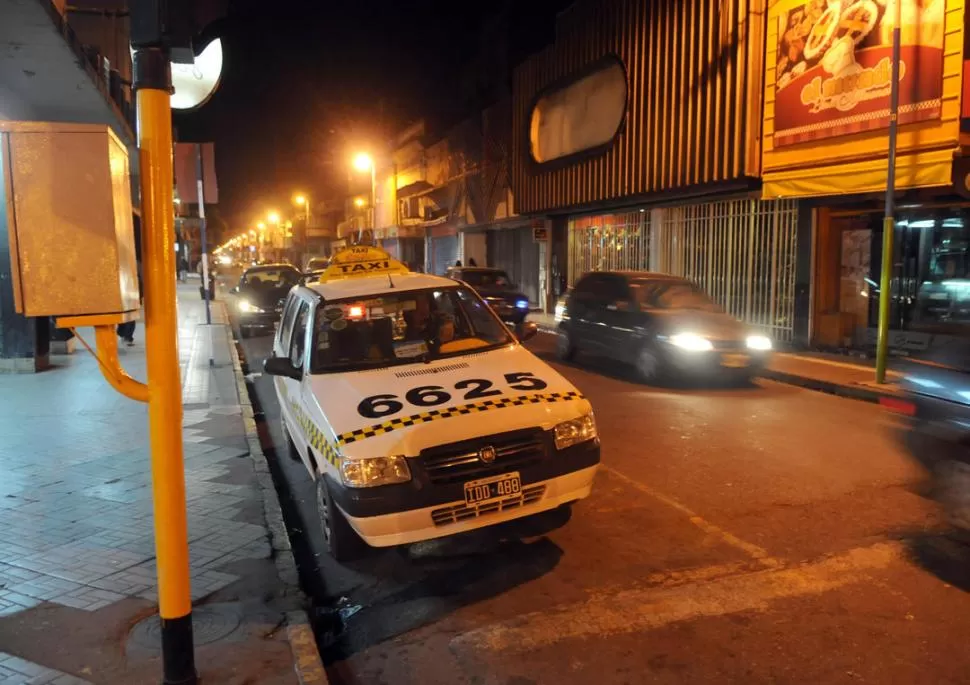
(401, 328)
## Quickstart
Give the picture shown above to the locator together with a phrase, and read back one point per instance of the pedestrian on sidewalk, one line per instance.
(126, 331)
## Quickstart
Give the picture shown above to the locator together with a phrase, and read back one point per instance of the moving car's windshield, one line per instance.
(399, 328)
(283, 277)
(671, 295)
(486, 279)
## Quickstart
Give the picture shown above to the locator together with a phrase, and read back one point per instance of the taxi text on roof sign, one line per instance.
(361, 261)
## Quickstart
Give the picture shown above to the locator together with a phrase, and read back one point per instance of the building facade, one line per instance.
(637, 135)
(825, 145)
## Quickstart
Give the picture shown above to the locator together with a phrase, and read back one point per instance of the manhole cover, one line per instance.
(209, 624)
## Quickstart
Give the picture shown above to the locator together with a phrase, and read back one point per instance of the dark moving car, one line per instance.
(494, 286)
(933, 398)
(260, 294)
(664, 326)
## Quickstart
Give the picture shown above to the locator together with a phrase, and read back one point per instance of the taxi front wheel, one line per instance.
(343, 543)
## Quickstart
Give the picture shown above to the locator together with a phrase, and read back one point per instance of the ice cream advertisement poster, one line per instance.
(833, 72)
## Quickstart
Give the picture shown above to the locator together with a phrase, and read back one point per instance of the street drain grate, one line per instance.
(209, 624)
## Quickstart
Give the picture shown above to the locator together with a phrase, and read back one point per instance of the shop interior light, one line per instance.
(355, 312)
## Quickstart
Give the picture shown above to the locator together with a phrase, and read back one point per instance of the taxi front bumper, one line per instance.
(415, 511)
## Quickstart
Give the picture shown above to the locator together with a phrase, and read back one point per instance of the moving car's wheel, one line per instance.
(342, 542)
(244, 332)
(565, 347)
(649, 368)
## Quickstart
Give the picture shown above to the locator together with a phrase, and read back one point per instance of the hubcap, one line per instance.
(563, 344)
(648, 363)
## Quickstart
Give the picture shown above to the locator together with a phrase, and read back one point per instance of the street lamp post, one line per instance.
(303, 201)
(364, 162)
(276, 237)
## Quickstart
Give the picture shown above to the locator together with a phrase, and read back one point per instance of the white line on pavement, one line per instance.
(748, 548)
(637, 610)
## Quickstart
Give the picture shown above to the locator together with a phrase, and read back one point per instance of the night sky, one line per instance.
(306, 82)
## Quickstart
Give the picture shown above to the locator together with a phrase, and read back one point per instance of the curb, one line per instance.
(306, 657)
(852, 392)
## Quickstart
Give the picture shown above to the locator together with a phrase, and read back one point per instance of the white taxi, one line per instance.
(417, 412)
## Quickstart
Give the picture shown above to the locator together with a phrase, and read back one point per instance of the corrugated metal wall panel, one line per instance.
(693, 108)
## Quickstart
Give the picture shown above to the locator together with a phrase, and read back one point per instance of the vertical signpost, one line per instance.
(152, 83)
(206, 294)
(889, 220)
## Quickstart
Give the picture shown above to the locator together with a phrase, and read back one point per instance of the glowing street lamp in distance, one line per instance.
(363, 162)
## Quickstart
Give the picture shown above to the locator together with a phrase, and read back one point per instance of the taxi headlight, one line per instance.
(575, 431)
(691, 342)
(249, 307)
(373, 471)
(758, 342)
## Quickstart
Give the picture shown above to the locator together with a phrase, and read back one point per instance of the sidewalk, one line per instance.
(831, 373)
(77, 556)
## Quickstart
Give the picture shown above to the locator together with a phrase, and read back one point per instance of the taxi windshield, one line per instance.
(402, 328)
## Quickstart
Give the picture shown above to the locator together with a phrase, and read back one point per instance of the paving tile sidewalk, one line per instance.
(77, 556)
(836, 374)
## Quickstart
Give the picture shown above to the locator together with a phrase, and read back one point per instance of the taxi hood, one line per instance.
(405, 409)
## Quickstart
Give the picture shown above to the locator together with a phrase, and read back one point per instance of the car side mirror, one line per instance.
(527, 330)
(234, 291)
(282, 366)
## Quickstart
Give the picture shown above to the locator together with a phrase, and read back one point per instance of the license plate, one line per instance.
(734, 361)
(495, 487)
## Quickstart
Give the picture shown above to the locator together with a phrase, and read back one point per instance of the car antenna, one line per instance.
(389, 280)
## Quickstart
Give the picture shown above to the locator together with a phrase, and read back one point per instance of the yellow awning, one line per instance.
(918, 170)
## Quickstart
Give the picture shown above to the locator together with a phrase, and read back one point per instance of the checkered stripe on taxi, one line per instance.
(460, 410)
(315, 436)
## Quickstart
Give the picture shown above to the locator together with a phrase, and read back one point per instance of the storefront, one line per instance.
(825, 143)
(442, 248)
(516, 250)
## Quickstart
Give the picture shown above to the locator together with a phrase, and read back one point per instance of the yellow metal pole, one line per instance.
(889, 219)
(153, 83)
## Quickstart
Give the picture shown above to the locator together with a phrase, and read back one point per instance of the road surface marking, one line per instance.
(639, 610)
(748, 548)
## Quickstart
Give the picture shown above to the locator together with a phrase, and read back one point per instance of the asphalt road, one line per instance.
(765, 534)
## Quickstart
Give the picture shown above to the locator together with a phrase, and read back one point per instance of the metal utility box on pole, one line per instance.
(889, 219)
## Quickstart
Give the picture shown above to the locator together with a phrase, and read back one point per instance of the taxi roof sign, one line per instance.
(361, 261)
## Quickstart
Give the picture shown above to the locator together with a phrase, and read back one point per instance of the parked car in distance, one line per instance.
(260, 293)
(316, 264)
(497, 289)
(665, 326)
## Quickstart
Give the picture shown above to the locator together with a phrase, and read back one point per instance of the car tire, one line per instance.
(565, 347)
(244, 332)
(341, 539)
(649, 365)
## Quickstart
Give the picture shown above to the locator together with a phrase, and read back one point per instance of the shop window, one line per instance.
(582, 115)
(935, 256)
